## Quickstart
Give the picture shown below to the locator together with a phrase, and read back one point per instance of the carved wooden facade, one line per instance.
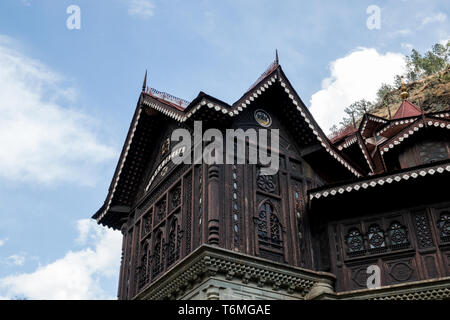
(336, 206)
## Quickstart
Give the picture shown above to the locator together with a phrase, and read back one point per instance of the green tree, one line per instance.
(432, 62)
(382, 92)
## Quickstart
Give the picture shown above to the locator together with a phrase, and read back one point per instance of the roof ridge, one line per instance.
(168, 98)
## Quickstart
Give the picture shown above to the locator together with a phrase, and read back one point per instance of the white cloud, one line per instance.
(438, 17)
(86, 231)
(3, 241)
(76, 276)
(141, 8)
(354, 77)
(445, 41)
(16, 259)
(42, 139)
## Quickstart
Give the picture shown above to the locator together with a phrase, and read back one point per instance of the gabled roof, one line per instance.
(355, 147)
(156, 103)
(371, 123)
(407, 109)
(411, 129)
(379, 135)
(377, 181)
(343, 135)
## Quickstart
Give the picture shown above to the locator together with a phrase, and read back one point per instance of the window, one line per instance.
(269, 227)
(160, 210)
(158, 255)
(355, 242)
(398, 235)
(174, 242)
(175, 197)
(143, 271)
(444, 226)
(147, 224)
(376, 237)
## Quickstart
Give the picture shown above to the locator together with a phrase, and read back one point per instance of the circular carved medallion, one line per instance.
(263, 118)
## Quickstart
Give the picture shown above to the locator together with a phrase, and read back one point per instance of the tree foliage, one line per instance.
(417, 67)
(432, 62)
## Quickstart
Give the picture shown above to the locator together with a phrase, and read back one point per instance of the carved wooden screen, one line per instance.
(279, 216)
(408, 246)
(163, 230)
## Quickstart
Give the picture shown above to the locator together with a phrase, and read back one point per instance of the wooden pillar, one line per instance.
(213, 204)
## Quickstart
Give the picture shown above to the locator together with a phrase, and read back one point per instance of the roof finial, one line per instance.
(144, 85)
(277, 61)
(404, 93)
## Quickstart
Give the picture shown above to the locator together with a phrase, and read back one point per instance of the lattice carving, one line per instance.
(174, 243)
(175, 197)
(147, 223)
(168, 181)
(188, 210)
(401, 271)
(160, 210)
(269, 227)
(355, 242)
(299, 209)
(398, 236)
(266, 183)
(375, 238)
(158, 255)
(360, 276)
(423, 231)
(143, 274)
(444, 226)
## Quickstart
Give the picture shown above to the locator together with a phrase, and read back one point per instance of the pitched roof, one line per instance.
(376, 181)
(410, 130)
(407, 109)
(119, 198)
(342, 134)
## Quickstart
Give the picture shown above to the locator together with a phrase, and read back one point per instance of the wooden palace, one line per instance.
(376, 195)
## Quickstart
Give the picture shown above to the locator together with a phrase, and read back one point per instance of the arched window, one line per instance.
(269, 227)
(143, 269)
(355, 242)
(398, 235)
(444, 226)
(174, 242)
(158, 254)
(376, 237)
(147, 223)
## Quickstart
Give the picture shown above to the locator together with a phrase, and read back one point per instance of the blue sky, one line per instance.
(67, 98)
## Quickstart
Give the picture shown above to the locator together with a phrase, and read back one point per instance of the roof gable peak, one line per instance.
(407, 109)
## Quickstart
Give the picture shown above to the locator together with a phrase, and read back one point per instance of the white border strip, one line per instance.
(379, 181)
